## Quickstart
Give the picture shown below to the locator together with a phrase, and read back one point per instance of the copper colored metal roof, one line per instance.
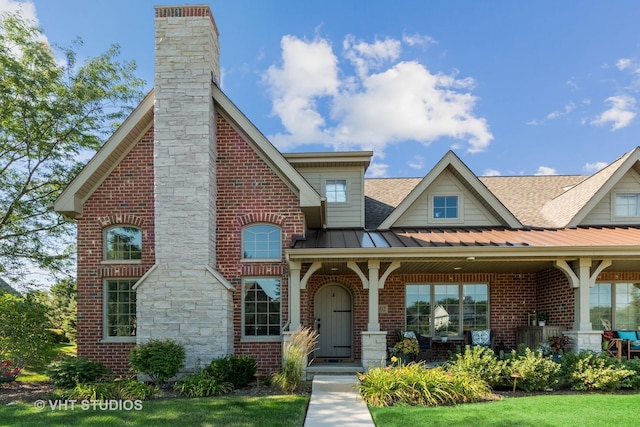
(467, 237)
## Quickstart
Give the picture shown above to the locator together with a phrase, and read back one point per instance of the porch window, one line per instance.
(615, 304)
(261, 307)
(336, 190)
(120, 308)
(123, 243)
(627, 205)
(445, 207)
(262, 242)
(446, 309)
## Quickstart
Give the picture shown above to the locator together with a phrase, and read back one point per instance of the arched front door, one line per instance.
(333, 321)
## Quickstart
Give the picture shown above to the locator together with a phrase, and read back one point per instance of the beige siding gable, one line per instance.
(603, 213)
(349, 213)
(470, 211)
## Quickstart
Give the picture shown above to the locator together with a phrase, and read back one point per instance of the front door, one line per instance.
(333, 321)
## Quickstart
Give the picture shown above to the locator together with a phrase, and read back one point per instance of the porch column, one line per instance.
(583, 336)
(374, 321)
(294, 295)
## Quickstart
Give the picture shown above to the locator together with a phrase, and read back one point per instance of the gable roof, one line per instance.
(471, 182)
(72, 199)
(570, 207)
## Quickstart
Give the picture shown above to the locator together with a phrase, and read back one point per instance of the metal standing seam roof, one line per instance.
(613, 236)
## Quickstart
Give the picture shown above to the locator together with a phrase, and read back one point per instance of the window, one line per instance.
(261, 241)
(123, 243)
(261, 317)
(456, 307)
(615, 304)
(120, 308)
(336, 190)
(445, 207)
(627, 205)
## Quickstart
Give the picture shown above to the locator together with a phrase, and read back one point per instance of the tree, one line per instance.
(62, 307)
(52, 116)
(24, 338)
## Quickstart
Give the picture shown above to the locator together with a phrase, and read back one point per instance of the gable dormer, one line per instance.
(339, 178)
(450, 195)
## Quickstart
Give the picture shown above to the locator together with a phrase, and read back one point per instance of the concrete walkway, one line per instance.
(335, 402)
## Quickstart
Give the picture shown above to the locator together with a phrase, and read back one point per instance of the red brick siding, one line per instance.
(250, 192)
(556, 296)
(125, 197)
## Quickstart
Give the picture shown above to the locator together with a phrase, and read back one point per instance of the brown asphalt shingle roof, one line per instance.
(524, 196)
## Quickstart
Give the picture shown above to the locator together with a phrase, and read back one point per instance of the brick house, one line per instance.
(192, 226)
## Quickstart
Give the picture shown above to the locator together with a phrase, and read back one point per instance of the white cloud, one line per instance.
(567, 109)
(399, 101)
(418, 40)
(620, 114)
(377, 170)
(623, 63)
(544, 170)
(491, 172)
(417, 162)
(25, 9)
(365, 56)
(595, 166)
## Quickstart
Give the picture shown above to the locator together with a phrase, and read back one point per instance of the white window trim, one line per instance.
(616, 218)
(105, 303)
(347, 184)
(458, 220)
(263, 338)
(245, 260)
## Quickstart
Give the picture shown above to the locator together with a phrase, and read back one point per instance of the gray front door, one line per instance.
(333, 321)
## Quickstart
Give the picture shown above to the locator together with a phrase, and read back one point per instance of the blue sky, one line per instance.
(513, 87)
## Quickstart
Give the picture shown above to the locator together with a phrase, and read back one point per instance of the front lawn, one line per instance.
(36, 372)
(602, 409)
(279, 410)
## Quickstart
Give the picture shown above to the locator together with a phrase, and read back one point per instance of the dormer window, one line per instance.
(627, 205)
(336, 190)
(445, 207)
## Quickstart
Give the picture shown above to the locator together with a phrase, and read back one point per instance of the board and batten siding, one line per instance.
(349, 214)
(472, 213)
(603, 213)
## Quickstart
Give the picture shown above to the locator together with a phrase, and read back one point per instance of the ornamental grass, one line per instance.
(416, 384)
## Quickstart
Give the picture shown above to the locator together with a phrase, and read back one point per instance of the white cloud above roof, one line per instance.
(385, 101)
(620, 114)
(545, 170)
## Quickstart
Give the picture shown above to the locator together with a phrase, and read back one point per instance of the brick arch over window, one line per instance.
(262, 217)
(121, 219)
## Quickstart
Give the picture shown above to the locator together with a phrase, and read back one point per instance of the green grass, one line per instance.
(591, 410)
(36, 373)
(276, 411)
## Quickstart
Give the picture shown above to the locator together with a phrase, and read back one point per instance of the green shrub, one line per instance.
(201, 384)
(415, 384)
(481, 362)
(596, 373)
(537, 372)
(634, 380)
(123, 388)
(295, 351)
(237, 370)
(158, 359)
(68, 371)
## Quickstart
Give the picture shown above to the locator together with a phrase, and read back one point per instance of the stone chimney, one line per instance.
(182, 297)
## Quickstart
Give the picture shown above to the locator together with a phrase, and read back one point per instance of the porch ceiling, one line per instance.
(462, 266)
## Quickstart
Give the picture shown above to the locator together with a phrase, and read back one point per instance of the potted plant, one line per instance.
(444, 335)
(406, 349)
(542, 317)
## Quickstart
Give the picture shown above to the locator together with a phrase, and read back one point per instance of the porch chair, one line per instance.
(630, 343)
(482, 337)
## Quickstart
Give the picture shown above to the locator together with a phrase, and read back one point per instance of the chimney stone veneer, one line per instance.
(181, 297)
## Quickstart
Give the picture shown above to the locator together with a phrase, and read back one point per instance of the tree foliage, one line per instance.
(24, 338)
(53, 114)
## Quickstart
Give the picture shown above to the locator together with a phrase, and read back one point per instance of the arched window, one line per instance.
(262, 242)
(123, 243)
